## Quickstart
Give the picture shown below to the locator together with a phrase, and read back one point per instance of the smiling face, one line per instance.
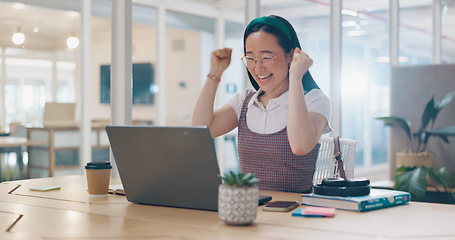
(271, 79)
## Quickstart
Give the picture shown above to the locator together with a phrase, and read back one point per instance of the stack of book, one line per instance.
(377, 199)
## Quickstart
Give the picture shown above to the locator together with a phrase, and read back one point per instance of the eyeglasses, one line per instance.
(266, 61)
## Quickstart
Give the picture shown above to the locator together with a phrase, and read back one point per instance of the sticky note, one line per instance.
(322, 211)
(44, 188)
(314, 212)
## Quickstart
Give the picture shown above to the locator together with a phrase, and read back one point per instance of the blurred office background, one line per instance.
(44, 66)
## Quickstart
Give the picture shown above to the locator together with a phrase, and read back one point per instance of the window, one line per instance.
(313, 30)
(365, 81)
(448, 40)
(416, 22)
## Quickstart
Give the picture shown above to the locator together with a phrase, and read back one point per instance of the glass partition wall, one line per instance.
(52, 69)
(34, 71)
(364, 81)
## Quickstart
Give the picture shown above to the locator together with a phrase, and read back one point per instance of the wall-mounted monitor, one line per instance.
(143, 83)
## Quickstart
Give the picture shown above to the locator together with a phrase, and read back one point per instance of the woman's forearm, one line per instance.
(203, 111)
(302, 134)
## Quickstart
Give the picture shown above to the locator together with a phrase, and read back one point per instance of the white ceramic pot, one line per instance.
(237, 205)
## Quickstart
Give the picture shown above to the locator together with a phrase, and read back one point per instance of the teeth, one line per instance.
(264, 76)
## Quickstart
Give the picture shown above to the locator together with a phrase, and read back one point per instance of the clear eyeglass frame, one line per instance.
(266, 61)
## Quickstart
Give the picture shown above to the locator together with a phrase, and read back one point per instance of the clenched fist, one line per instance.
(220, 60)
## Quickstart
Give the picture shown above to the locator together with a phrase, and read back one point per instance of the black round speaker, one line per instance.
(357, 182)
(342, 187)
(334, 182)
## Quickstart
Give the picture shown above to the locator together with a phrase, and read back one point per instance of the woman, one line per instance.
(280, 122)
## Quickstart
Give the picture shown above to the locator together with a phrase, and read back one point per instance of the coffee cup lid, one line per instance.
(98, 165)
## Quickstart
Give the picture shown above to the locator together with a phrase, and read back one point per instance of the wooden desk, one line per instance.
(70, 213)
(61, 138)
(6, 142)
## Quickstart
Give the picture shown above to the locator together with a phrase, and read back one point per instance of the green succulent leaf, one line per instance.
(239, 179)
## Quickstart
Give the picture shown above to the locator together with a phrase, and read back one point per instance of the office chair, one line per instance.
(326, 165)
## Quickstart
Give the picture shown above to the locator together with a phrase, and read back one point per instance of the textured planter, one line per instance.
(409, 159)
(237, 205)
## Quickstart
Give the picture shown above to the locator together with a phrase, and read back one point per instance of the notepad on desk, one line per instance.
(44, 188)
(116, 189)
(377, 199)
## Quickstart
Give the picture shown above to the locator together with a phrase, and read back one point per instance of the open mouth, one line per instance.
(264, 78)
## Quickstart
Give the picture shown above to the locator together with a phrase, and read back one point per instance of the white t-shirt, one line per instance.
(274, 118)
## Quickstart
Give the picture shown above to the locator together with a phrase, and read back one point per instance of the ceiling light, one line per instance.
(19, 5)
(72, 41)
(18, 37)
(36, 29)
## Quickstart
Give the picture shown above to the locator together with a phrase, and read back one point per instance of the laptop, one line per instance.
(167, 166)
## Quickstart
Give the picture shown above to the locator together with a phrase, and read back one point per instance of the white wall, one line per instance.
(183, 71)
(183, 65)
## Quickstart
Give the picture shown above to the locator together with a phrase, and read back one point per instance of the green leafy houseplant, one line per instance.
(239, 179)
(418, 141)
(414, 179)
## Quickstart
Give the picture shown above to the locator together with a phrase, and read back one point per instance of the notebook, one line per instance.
(166, 166)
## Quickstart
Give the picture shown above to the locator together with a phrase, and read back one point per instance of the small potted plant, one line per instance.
(414, 165)
(238, 198)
